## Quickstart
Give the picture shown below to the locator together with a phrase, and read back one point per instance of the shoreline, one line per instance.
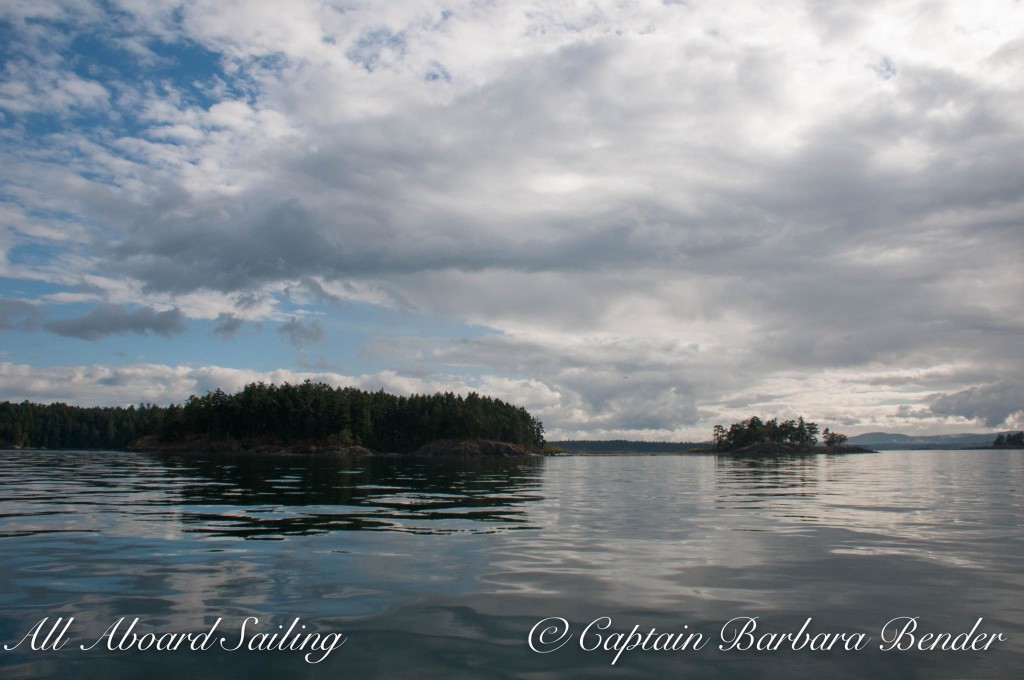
(437, 449)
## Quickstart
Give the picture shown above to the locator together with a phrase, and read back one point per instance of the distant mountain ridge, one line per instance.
(941, 441)
(874, 440)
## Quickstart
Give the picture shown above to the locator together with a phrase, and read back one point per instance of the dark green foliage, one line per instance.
(312, 412)
(1009, 439)
(833, 439)
(59, 426)
(346, 416)
(755, 431)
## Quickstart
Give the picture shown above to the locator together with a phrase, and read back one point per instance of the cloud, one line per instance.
(108, 385)
(300, 334)
(227, 325)
(34, 78)
(662, 213)
(18, 315)
(107, 319)
(98, 384)
(994, 404)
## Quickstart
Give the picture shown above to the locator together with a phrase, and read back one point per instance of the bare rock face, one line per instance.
(474, 449)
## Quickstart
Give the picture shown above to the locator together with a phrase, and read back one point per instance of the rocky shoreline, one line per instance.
(154, 444)
(473, 449)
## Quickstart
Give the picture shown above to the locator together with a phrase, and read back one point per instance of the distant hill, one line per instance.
(892, 440)
(871, 440)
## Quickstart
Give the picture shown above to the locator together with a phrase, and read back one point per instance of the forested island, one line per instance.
(770, 437)
(305, 417)
(750, 436)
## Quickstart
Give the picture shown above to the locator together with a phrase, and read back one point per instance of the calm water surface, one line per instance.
(442, 570)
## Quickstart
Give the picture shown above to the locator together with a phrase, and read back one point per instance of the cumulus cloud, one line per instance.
(109, 319)
(99, 384)
(996, 404)
(110, 385)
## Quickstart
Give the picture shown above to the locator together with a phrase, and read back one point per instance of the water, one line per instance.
(440, 570)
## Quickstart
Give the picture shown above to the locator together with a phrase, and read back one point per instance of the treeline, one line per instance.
(59, 426)
(756, 431)
(1009, 439)
(348, 416)
(308, 412)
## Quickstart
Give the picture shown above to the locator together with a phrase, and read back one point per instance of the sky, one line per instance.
(636, 218)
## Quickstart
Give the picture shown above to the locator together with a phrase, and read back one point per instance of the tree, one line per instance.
(753, 430)
(833, 439)
(719, 437)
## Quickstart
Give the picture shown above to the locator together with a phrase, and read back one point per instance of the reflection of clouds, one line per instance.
(909, 551)
(922, 504)
(167, 592)
(625, 530)
(926, 505)
(655, 540)
(691, 532)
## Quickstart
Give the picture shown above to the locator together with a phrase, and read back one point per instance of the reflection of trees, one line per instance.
(757, 480)
(274, 496)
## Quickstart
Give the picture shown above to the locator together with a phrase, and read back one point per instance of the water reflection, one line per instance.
(440, 570)
(910, 505)
(765, 481)
(267, 497)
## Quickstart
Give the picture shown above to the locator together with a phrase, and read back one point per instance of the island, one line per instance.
(755, 436)
(302, 418)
